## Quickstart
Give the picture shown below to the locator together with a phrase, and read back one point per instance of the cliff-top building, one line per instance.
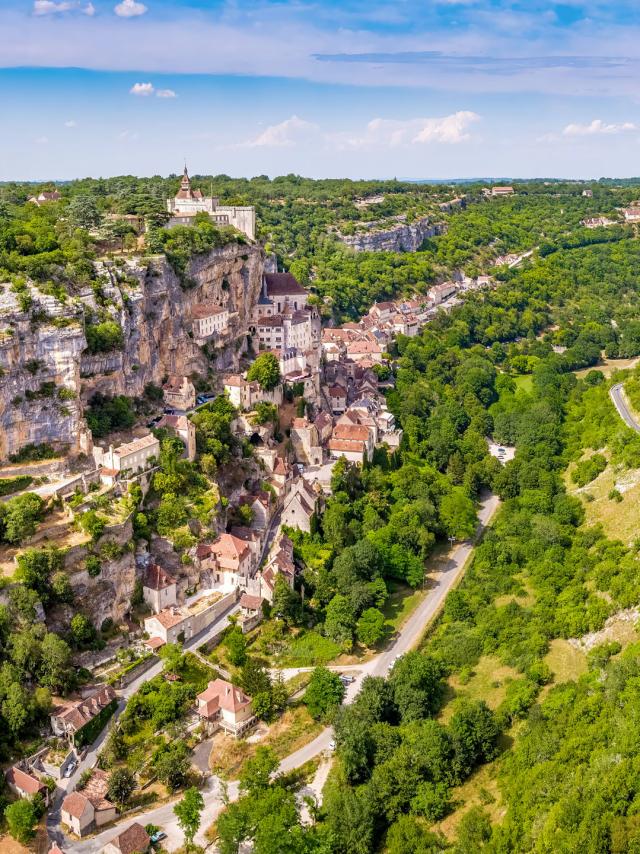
(189, 202)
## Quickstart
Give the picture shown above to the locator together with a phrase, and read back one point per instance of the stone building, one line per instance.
(179, 393)
(188, 202)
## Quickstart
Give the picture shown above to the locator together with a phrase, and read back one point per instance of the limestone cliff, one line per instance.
(40, 373)
(43, 348)
(402, 237)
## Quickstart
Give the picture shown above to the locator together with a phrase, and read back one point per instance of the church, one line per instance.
(189, 202)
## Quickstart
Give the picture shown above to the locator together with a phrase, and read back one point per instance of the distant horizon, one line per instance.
(401, 180)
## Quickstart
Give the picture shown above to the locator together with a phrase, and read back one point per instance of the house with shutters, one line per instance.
(223, 706)
(69, 718)
(25, 785)
(86, 810)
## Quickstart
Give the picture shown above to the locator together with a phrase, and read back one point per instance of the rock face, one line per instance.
(404, 237)
(43, 349)
(40, 374)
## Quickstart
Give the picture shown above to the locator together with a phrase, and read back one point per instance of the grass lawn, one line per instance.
(488, 682)
(620, 520)
(524, 382)
(402, 601)
(291, 731)
(565, 661)
(308, 649)
(481, 789)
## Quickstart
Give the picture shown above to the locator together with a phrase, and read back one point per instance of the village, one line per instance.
(326, 404)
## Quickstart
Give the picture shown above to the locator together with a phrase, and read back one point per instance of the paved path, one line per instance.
(406, 639)
(617, 395)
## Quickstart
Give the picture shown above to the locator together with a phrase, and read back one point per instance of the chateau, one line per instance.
(189, 202)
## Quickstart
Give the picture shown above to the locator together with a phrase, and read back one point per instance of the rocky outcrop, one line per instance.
(155, 310)
(403, 237)
(43, 348)
(40, 374)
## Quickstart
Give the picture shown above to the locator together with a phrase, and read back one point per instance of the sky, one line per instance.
(412, 89)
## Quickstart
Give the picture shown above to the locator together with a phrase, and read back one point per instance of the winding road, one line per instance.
(617, 395)
(407, 638)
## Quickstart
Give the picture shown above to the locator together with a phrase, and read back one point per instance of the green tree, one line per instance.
(19, 517)
(171, 763)
(55, 662)
(21, 817)
(93, 524)
(236, 645)
(254, 677)
(339, 621)
(256, 773)
(188, 812)
(83, 632)
(370, 627)
(82, 211)
(266, 370)
(173, 657)
(408, 835)
(324, 693)
(286, 603)
(121, 786)
(458, 515)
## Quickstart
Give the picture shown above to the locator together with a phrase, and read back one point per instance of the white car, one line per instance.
(332, 744)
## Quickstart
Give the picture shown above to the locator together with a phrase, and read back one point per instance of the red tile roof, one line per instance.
(251, 603)
(156, 578)
(23, 781)
(229, 697)
(133, 840)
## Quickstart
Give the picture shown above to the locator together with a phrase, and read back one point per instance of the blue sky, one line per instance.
(412, 88)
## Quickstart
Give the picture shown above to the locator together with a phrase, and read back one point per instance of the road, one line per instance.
(617, 395)
(406, 639)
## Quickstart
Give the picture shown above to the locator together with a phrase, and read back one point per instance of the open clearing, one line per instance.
(565, 661)
(488, 682)
(620, 519)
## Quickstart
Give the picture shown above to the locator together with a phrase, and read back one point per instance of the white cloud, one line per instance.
(130, 9)
(142, 89)
(72, 123)
(166, 93)
(128, 135)
(42, 140)
(49, 7)
(285, 134)
(392, 133)
(597, 126)
(58, 7)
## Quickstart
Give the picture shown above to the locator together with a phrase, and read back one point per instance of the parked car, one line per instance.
(332, 744)
(69, 770)
(346, 679)
(158, 836)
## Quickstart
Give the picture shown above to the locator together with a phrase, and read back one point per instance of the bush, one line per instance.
(105, 336)
(8, 485)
